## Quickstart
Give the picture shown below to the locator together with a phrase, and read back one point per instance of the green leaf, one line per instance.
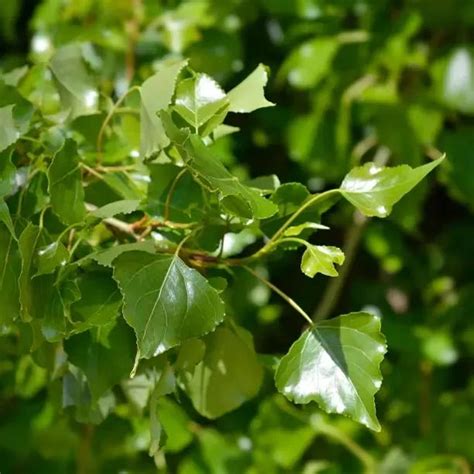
(374, 190)
(321, 259)
(5, 217)
(165, 301)
(248, 95)
(30, 240)
(9, 133)
(99, 303)
(76, 88)
(175, 424)
(336, 364)
(7, 173)
(156, 94)
(105, 355)
(65, 185)
(124, 206)
(106, 257)
(295, 230)
(309, 63)
(50, 257)
(279, 434)
(10, 267)
(186, 201)
(198, 99)
(228, 375)
(207, 167)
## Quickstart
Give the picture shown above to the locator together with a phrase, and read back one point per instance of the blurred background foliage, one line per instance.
(355, 80)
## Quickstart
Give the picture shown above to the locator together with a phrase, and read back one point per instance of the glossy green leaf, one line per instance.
(165, 301)
(228, 375)
(321, 259)
(211, 171)
(105, 355)
(248, 95)
(78, 92)
(9, 133)
(336, 363)
(65, 185)
(156, 94)
(198, 99)
(374, 190)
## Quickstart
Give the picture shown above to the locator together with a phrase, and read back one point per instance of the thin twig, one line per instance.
(277, 290)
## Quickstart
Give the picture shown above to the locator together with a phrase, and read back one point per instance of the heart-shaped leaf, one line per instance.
(336, 364)
(165, 301)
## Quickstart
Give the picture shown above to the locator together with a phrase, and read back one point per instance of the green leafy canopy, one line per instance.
(110, 261)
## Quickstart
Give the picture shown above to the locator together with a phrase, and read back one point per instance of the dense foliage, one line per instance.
(155, 268)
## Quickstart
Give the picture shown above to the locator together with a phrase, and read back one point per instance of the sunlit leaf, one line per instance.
(374, 189)
(321, 259)
(156, 93)
(336, 363)
(165, 301)
(248, 95)
(9, 133)
(78, 92)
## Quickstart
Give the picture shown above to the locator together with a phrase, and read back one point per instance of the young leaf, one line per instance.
(156, 93)
(76, 88)
(198, 99)
(165, 301)
(65, 185)
(211, 171)
(9, 133)
(374, 190)
(248, 95)
(336, 364)
(321, 259)
(228, 375)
